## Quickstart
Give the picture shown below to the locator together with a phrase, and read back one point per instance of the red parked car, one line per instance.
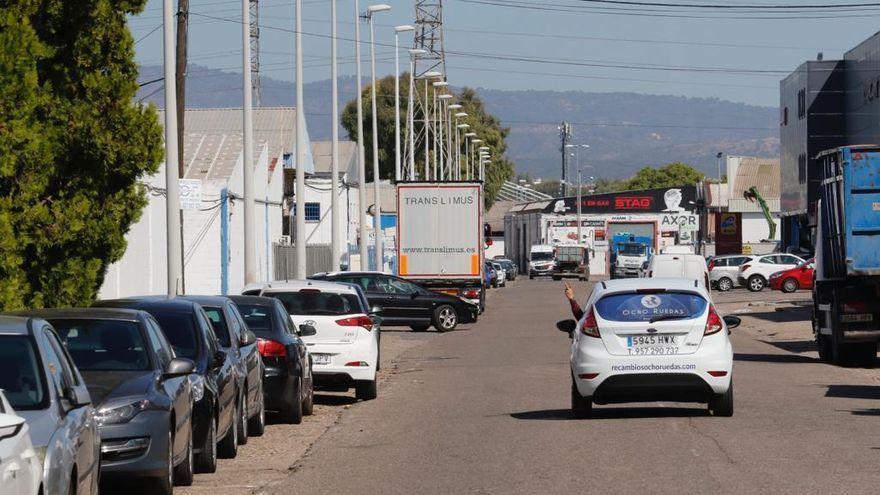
(799, 277)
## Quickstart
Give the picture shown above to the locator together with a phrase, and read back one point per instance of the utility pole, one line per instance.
(300, 152)
(250, 244)
(565, 136)
(255, 51)
(180, 89)
(362, 165)
(335, 214)
(172, 191)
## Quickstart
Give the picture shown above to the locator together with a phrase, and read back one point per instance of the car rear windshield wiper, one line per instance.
(668, 317)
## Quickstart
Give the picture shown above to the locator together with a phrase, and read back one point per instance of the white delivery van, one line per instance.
(678, 249)
(542, 260)
(690, 266)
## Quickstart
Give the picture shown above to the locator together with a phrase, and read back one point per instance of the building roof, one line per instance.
(762, 173)
(212, 141)
(347, 156)
(495, 215)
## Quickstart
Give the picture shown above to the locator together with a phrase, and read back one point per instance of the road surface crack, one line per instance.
(712, 439)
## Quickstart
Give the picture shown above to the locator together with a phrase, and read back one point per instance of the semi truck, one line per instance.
(846, 292)
(440, 237)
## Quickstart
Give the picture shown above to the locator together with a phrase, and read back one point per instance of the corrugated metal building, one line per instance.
(743, 173)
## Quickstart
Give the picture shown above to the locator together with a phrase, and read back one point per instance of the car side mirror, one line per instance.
(247, 338)
(219, 358)
(307, 330)
(732, 321)
(566, 326)
(179, 367)
(376, 310)
(77, 396)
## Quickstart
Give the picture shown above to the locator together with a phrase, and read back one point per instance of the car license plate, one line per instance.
(320, 358)
(857, 318)
(652, 345)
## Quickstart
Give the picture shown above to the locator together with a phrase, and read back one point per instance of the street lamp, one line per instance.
(445, 171)
(377, 212)
(410, 125)
(428, 75)
(453, 141)
(473, 142)
(362, 165)
(397, 30)
(438, 121)
(467, 155)
(463, 127)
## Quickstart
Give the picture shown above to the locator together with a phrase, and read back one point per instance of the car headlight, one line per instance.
(198, 386)
(121, 410)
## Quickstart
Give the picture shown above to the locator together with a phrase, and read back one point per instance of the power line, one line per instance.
(142, 38)
(725, 6)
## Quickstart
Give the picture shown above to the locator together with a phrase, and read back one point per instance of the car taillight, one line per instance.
(713, 322)
(270, 348)
(356, 321)
(744, 267)
(471, 294)
(590, 328)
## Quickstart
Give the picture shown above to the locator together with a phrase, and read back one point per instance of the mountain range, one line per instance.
(625, 131)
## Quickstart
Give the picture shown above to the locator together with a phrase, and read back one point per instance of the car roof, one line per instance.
(297, 285)
(207, 300)
(148, 303)
(355, 272)
(257, 300)
(633, 284)
(119, 314)
(14, 325)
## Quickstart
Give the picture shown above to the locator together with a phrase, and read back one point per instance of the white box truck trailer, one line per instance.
(440, 236)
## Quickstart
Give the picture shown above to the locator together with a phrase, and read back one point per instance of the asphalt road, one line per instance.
(485, 410)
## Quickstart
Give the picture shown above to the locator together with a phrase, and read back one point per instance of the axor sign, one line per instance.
(678, 222)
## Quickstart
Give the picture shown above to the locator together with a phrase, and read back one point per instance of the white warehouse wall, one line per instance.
(755, 228)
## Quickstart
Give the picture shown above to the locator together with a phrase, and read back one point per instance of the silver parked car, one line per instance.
(723, 270)
(46, 389)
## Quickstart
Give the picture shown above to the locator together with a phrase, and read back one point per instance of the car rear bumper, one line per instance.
(342, 359)
(276, 382)
(136, 448)
(679, 377)
(626, 272)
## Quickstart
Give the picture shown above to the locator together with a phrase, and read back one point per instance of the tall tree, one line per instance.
(487, 127)
(73, 146)
(672, 174)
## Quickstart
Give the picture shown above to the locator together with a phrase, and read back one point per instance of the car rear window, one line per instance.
(180, 331)
(104, 345)
(258, 318)
(633, 306)
(315, 303)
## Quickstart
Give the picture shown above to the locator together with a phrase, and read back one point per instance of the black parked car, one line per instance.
(241, 343)
(287, 374)
(404, 303)
(140, 389)
(188, 330)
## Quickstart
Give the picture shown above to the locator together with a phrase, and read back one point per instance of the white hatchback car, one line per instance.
(650, 339)
(345, 345)
(755, 273)
(20, 468)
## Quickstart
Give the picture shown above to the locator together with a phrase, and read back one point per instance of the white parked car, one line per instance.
(755, 273)
(502, 273)
(20, 468)
(724, 270)
(657, 339)
(689, 266)
(345, 344)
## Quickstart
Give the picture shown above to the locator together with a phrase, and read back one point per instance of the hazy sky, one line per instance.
(567, 47)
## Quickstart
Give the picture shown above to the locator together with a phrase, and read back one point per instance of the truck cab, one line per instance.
(542, 260)
(627, 257)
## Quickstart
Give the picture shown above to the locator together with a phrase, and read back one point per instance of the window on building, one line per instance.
(313, 212)
(802, 168)
(785, 116)
(802, 104)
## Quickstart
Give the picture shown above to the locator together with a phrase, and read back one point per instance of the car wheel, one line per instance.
(292, 412)
(419, 328)
(789, 285)
(242, 420)
(724, 284)
(206, 459)
(228, 446)
(366, 390)
(756, 283)
(581, 407)
(722, 405)
(308, 407)
(445, 318)
(183, 473)
(531, 277)
(164, 484)
(257, 424)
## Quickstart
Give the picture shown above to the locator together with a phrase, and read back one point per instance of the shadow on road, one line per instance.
(613, 413)
(866, 412)
(782, 315)
(854, 391)
(795, 346)
(334, 400)
(774, 358)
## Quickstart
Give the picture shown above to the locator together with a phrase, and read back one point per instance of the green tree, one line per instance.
(487, 127)
(673, 174)
(73, 146)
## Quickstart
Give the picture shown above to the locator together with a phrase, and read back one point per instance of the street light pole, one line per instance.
(411, 128)
(172, 187)
(397, 31)
(335, 214)
(377, 210)
(445, 165)
(469, 160)
(362, 167)
(474, 150)
(301, 268)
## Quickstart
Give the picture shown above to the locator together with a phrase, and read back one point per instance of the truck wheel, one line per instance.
(531, 276)
(724, 284)
(445, 318)
(789, 285)
(756, 283)
(722, 405)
